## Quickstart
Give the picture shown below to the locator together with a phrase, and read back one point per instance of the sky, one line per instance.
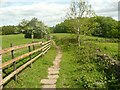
(51, 12)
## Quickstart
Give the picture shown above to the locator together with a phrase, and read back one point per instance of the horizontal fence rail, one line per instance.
(43, 48)
(17, 47)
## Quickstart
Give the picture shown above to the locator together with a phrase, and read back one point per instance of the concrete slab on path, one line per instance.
(49, 86)
(53, 72)
(48, 81)
(53, 76)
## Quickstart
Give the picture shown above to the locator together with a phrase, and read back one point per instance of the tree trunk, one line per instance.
(32, 35)
(1, 69)
(78, 37)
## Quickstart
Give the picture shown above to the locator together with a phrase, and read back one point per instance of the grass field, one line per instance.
(17, 39)
(71, 71)
(83, 70)
(109, 49)
(29, 77)
(105, 44)
(62, 35)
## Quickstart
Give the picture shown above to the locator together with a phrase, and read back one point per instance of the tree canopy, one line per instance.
(33, 27)
(98, 26)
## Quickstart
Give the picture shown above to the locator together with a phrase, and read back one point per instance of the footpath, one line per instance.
(53, 71)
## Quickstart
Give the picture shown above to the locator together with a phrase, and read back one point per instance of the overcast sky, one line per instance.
(50, 12)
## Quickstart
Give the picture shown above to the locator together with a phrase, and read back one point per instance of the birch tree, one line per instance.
(79, 9)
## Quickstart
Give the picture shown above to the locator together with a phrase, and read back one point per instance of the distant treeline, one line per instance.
(28, 27)
(7, 30)
(98, 26)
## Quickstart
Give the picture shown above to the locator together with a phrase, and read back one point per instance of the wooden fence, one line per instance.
(43, 48)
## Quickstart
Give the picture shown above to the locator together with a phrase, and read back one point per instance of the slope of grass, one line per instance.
(110, 49)
(30, 77)
(17, 39)
(61, 35)
(107, 45)
(83, 69)
(80, 69)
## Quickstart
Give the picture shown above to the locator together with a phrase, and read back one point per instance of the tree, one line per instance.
(78, 10)
(23, 25)
(105, 27)
(60, 28)
(33, 28)
(6, 30)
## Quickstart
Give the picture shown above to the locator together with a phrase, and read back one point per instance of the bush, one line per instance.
(7, 30)
(86, 70)
(28, 35)
(37, 35)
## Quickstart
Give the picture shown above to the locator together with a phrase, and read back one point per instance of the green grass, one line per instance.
(82, 71)
(78, 70)
(105, 44)
(61, 35)
(29, 77)
(95, 38)
(110, 49)
(67, 67)
(70, 75)
(17, 39)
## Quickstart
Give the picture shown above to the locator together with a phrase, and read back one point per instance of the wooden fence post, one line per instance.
(30, 55)
(14, 63)
(1, 72)
(42, 49)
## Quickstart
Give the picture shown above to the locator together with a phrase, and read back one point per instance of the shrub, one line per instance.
(6, 30)
(37, 35)
(28, 35)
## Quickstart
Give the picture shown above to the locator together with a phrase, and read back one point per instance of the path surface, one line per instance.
(53, 71)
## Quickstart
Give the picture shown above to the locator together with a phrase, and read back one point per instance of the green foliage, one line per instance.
(51, 29)
(30, 77)
(106, 27)
(81, 68)
(60, 28)
(97, 26)
(33, 27)
(7, 30)
(27, 35)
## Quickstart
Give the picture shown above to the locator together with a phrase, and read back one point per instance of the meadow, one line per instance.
(78, 69)
(106, 45)
(30, 76)
(17, 39)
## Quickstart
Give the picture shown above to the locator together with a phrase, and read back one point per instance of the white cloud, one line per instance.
(50, 12)
(44, 11)
(106, 7)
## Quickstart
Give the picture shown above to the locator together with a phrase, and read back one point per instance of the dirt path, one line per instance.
(53, 71)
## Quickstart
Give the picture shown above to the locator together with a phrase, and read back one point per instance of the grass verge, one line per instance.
(30, 77)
